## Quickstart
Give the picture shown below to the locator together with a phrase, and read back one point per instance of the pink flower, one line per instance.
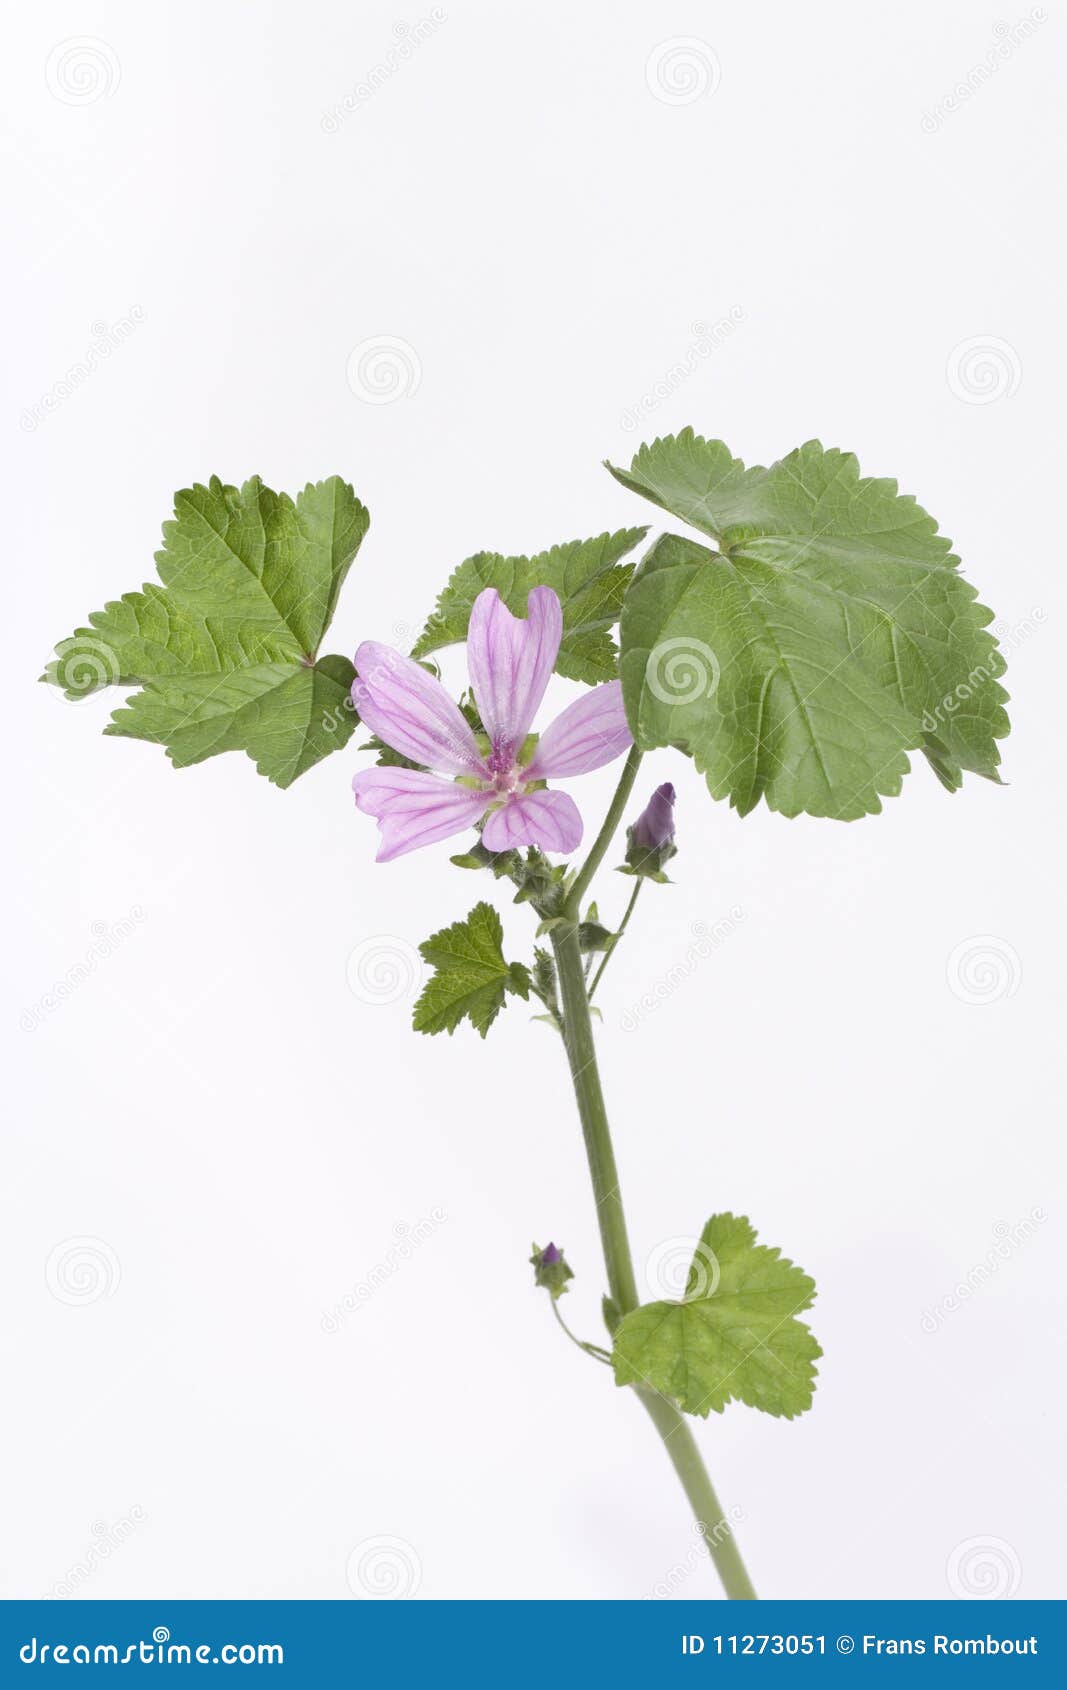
(510, 659)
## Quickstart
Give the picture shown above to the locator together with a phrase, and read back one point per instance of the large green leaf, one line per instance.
(827, 636)
(735, 1333)
(589, 578)
(226, 649)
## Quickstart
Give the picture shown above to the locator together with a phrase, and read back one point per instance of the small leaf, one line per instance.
(226, 649)
(502, 864)
(735, 1334)
(543, 986)
(589, 578)
(593, 936)
(387, 758)
(829, 635)
(544, 973)
(471, 976)
(518, 980)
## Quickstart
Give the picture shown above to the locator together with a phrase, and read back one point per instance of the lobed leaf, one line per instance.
(471, 977)
(734, 1335)
(226, 649)
(828, 635)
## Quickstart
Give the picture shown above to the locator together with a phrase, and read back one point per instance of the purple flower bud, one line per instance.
(551, 1269)
(654, 827)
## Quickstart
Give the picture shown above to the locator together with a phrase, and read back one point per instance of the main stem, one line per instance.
(581, 1055)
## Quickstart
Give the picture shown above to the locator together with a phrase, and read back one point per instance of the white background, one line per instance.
(242, 1137)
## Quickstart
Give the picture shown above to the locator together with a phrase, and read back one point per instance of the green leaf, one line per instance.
(591, 583)
(503, 864)
(543, 984)
(226, 649)
(734, 1335)
(471, 975)
(826, 637)
(544, 973)
(385, 756)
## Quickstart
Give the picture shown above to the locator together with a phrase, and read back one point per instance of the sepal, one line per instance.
(551, 1270)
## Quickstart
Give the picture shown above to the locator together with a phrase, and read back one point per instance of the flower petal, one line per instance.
(548, 819)
(589, 733)
(511, 659)
(411, 711)
(413, 808)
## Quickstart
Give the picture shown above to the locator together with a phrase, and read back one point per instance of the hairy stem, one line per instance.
(715, 1529)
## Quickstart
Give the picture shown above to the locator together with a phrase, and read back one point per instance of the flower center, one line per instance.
(503, 768)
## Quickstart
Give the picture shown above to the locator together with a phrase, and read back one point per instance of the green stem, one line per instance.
(610, 952)
(606, 834)
(581, 1055)
(593, 1350)
(712, 1523)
